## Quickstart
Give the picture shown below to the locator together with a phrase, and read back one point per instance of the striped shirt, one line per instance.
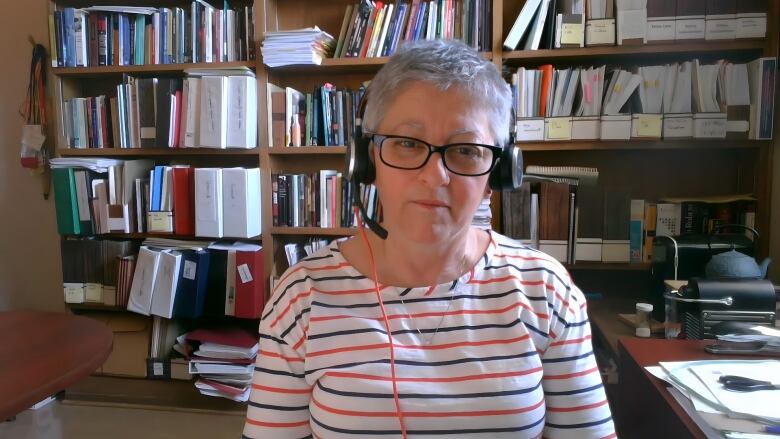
(503, 352)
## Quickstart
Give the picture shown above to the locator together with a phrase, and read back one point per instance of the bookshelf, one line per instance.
(654, 168)
(665, 167)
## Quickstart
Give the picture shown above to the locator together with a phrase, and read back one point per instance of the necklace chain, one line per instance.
(427, 341)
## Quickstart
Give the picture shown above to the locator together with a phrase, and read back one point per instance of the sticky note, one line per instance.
(559, 128)
(649, 126)
(572, 33)
(160, 221)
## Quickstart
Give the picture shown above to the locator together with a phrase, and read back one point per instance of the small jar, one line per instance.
(643, 312)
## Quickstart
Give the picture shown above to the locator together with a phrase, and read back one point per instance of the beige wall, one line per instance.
(30, 276)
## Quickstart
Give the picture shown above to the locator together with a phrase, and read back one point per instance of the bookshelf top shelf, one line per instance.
(573, 145)
(694, 48)
(75, 72)
(641, 144)
(156, 152)
(344, 65)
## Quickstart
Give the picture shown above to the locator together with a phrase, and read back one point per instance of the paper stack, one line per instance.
(301, 46)
(223, 359)
(711, 405)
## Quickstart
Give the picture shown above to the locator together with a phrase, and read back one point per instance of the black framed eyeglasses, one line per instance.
(467, 159)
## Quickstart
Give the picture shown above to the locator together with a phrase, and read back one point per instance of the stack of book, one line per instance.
(223, 359)
(302, 46)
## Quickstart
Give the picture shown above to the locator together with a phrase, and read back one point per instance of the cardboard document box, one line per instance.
(557, 128)
(132, 336)
(737, 121)
(661, 23)
(678, 126)
(600, 32)
(750, 26)
(160, 222)
(558, 249)
(751, 18)
(720, 27)
(588, 249)
(585, 128)
(646, 126)
(616, 127)
(529, 129)
(631, 23)
(709, 125)
(616, 251)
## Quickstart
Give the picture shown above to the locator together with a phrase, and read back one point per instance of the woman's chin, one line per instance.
(430, 233)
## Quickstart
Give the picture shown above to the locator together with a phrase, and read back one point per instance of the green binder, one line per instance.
(65, 201)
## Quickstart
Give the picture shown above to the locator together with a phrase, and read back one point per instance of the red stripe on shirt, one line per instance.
(571, 375)
(572, 341)
(275, 355)
(277, 424)
(279, 389)
(482, 376)
(424, 347)
(427, 414)
(578, 408)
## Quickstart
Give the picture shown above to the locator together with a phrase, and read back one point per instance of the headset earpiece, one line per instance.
(360, 167)
(508, 172)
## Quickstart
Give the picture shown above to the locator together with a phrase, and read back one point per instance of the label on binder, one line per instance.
(559, 128)
(244, 273)
(190, 268)
(600, 32)
(572, 33)
(74, 292)
(160, 221)
(93, 292)
(649, 126)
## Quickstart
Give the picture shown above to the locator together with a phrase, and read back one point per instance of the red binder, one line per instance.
(250, 290)
(184, 201)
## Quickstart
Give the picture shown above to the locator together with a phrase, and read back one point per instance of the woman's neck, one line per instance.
(406, 263)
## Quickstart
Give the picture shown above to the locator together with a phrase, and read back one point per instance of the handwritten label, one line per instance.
(244, 273)
(157, 369)
(74, 292)
(648, 126)
(93, 292)
(160, 222)
(572, 33)
(559, 128)
(677, 127)
(190, 268)
(600, 32)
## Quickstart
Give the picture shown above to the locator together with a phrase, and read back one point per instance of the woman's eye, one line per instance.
(468, 151)
(408, 144)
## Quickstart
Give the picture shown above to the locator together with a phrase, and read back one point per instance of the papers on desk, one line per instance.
(724, 409)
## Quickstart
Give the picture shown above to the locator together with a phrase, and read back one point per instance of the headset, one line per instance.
(507, 174)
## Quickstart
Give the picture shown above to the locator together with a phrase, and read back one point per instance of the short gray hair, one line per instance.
(444, 64)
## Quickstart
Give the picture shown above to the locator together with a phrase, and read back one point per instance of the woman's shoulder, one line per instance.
(294, 287)
(511, 249)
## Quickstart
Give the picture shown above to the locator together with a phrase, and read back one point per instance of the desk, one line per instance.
(647, 409)
(41, 353)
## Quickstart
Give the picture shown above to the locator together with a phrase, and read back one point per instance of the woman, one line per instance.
(490, 339)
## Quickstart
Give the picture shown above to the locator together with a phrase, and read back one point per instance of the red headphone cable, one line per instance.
(398, 412)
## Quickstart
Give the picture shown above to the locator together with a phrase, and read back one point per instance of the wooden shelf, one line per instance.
(156, 152)
(615, 145)
(344, 65)
(146, 68)
(166, 236)
(718, 48)
(609, 266)
(171, 395)
(94, 307)
(314, 231)
(333, 150)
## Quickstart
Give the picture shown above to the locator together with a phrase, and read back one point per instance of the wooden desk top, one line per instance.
(42, 353)
(648, 407)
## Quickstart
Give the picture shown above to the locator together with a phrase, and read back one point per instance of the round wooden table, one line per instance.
(42, 353)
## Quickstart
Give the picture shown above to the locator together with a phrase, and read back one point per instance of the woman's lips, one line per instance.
(430, 204)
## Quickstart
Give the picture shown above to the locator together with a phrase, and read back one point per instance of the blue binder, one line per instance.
(191, 289)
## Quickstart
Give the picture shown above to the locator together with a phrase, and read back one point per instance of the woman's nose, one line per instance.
(434, 173)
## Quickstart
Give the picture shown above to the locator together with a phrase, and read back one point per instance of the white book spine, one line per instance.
(208, 202)
(213, 111)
